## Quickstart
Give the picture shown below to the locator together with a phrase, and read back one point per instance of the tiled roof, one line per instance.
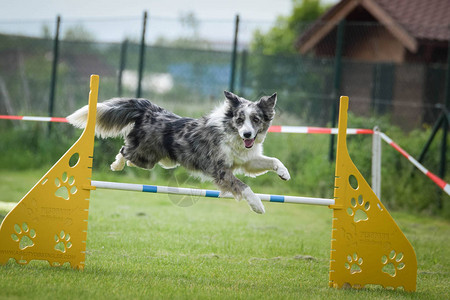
(423, 19)
(412, 20)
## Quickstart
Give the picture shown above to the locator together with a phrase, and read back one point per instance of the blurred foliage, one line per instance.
(78, 32)
(276, 66)
(280, 39)
(303, 84)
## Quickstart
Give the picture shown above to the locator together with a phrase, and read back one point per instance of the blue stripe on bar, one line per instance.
(214, 194)
(150, 188)
(276, 198)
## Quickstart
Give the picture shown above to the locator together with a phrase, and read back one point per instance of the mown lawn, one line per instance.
(145, 246)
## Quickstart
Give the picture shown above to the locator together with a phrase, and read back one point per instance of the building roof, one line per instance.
(410, 21)
(423, 19)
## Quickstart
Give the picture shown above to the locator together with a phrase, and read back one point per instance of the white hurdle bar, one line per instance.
(205, 193)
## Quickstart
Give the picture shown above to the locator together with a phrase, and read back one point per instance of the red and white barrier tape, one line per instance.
(275, 128)
(316, 130)
(39, 119)
(293, 129)
(441, 183)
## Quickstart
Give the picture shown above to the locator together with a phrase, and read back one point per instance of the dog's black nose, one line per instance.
(247, 135)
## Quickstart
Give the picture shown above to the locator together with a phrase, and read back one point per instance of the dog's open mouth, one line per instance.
(249, 143)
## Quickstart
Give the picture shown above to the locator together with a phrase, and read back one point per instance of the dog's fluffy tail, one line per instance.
(115, 117)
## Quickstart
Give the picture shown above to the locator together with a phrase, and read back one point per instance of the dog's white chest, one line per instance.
(241, 155)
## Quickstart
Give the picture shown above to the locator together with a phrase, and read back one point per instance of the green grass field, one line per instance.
(145, 246)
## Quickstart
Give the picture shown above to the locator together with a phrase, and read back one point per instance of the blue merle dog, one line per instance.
(225, 142)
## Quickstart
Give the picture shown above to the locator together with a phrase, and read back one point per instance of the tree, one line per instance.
(276, 66)
(280, 39)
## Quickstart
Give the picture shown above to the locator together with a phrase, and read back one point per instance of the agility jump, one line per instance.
(360, 248)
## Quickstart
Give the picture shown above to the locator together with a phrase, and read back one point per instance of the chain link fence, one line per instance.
(190, 72)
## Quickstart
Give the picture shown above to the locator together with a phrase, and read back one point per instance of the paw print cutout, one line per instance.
(66, 186)
(23, 235)
(358, 209)
(353, 263)
(392, 263)
(62, 241)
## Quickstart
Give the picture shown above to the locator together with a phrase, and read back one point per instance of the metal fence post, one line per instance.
(337, 81)
(446, 123)
(54, 72)
(436, 127)
(141, 57)
(123, 60)
(243, 72)
(376, 162)
(234, 54)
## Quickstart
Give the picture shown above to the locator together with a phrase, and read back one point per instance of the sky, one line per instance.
(113, 20)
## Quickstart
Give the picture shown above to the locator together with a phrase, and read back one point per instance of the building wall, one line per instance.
(407, 110)
(356, 83)
(363, 48)
(373, 44)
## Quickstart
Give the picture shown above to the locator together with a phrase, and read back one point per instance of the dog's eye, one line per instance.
(256, 120)
(240, 120)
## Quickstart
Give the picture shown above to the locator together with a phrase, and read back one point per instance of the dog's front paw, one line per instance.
(253, 201)
(282, 171)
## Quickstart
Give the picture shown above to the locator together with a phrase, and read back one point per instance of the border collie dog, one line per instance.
(227, 141)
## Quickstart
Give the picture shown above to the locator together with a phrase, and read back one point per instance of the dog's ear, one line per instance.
(232, 98)
(268, 102)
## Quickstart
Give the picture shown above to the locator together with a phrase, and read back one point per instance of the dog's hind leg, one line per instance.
(134, 157)
(130, 164)
(120, 161)
(227, 182)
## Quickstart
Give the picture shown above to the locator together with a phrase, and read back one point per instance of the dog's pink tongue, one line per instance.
(249, 143)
